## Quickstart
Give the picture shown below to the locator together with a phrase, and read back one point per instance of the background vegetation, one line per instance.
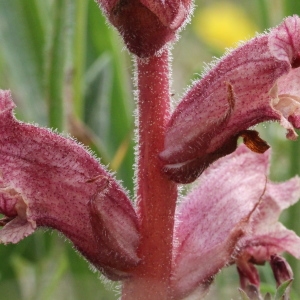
(68, 70)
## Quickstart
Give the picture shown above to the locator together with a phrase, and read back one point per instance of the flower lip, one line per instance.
(16, 224)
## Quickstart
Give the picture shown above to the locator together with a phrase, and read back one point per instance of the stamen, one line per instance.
(253, 141)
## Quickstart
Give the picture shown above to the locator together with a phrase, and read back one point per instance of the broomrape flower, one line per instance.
(48, 180)
(231, 216)
(258, 81)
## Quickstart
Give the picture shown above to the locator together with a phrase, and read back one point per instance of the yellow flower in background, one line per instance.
(223, 24)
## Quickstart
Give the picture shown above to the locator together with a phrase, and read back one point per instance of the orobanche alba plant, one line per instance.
(156, 248)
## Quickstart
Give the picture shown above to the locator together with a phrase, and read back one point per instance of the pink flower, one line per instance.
(147, 25)
(258, 81)
(48, 180)
(233, 206)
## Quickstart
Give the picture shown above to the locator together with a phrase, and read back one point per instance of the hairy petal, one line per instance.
(212, 218)
(107, 5)
(49, 180)
(246, 87)
(115, 225)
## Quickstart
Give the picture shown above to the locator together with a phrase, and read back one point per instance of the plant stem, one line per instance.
(156, 195)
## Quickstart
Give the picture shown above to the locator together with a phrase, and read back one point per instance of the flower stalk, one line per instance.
(156, 195)
(230, 216)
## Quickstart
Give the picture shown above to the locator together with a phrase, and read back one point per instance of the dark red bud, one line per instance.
(281, 269)
(146, 26)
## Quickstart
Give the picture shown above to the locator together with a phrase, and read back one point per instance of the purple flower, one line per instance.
(48, 180)
(258, 81)
(231, 214)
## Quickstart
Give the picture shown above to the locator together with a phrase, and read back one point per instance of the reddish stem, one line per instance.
(156, 194)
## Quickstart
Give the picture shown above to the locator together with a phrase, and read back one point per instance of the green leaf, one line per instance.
(282, 289)
(243, 295)
(291, 7)
(79, 56)
(21, 48)
(58, 269)
(264, 13)
(55, 64)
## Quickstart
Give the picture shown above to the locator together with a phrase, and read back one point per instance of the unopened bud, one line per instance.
(146, 25)
(281, 269)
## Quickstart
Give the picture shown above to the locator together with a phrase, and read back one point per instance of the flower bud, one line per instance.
(146, 25)
(281, 269)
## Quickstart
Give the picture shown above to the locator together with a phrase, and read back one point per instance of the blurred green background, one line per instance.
(68, 70)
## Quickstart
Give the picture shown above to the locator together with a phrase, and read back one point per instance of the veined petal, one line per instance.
(267, 236)
(49, 180)
(246, 87)
(212, 218)
(284, 41)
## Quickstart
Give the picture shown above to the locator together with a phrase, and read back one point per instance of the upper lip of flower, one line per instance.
(237, 93)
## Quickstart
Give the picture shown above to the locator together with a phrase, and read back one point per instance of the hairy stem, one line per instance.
(156, 194)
